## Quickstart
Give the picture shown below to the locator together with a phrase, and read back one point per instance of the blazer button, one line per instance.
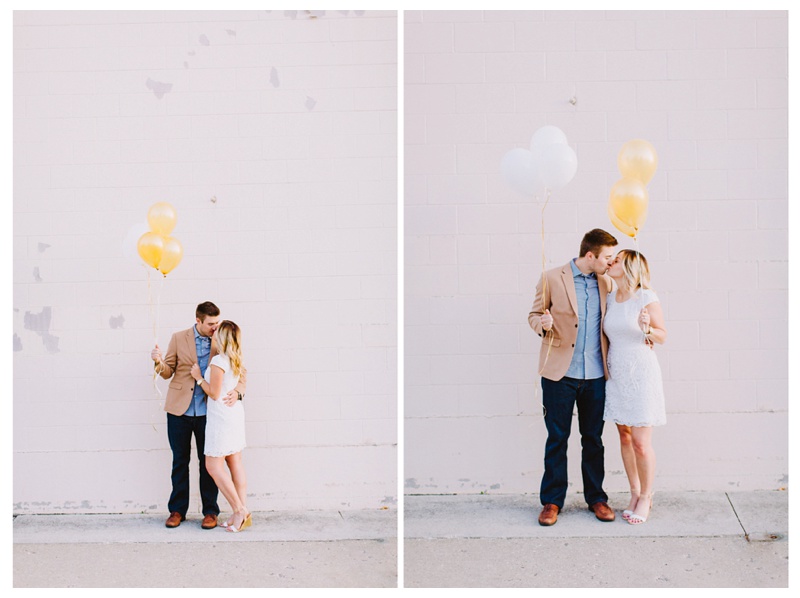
(576, 325)
(573, 345)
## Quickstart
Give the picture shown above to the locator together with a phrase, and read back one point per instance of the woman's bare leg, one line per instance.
(629, 462)
(236, 467)
(222, 478)
(646, 467)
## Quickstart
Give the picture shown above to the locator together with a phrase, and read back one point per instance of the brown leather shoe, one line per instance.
(174, 519)
(602, 511)
(209, 522)
(549, 514)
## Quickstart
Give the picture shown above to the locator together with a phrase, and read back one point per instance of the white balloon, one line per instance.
(558, 164)
(129, 243)
(520, 171)
(545, 137)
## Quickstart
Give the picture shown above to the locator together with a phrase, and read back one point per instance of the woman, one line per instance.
(225, 424)
(634, 391)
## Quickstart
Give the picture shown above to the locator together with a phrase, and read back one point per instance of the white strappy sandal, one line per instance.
(635, 519)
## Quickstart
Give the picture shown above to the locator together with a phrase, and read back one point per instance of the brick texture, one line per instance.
(273, 134)
(708, 89)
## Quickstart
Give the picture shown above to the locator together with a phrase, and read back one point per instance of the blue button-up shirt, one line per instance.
(587, 358)
(203, 345)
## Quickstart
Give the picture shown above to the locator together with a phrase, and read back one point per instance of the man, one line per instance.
(568, 314)
(186, 411)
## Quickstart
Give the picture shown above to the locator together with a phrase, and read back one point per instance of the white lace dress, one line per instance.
(634, 390)
(224, 425)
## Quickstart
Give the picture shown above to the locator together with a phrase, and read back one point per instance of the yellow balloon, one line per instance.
(150, 247)
(621, 226)
(162, 218)
(628, 202)
(637, 160)
(173, 252)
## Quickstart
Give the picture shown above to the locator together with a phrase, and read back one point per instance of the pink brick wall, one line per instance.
(289, 122)
(709, 90)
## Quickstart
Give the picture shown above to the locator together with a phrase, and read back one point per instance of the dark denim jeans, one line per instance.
(179, 431)
(559, 398)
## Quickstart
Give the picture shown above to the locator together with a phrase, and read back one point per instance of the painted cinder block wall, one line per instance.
(273, 133)
(709, 90)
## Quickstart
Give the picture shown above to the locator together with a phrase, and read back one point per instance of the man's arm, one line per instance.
(233, 396)
(166, 366)
(539, 317)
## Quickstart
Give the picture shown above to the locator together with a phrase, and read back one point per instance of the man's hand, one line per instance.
(155, 355)
(547, 320)
(231, 398)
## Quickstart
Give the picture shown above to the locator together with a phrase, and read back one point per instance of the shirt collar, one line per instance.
(199, 336)
(576, 271)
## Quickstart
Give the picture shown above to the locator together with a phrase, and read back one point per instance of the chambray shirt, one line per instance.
(587, 358)
(203, 345)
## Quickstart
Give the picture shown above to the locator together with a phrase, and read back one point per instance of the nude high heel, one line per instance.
(247, 522)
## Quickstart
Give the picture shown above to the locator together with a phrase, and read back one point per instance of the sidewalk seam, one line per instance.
(730, 502)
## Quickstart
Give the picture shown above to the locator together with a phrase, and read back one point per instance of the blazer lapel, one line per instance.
(191, 343)
(569, 286)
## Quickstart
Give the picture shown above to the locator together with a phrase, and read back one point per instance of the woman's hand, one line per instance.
(644, 320)
(196, 372)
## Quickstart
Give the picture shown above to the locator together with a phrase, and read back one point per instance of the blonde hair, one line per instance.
(635, 270)
(229, 336)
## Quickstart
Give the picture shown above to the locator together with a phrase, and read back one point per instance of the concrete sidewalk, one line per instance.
(692, 539)
(281, 549)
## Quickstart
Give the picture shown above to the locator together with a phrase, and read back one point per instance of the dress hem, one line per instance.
(225, 454)
(637, 425)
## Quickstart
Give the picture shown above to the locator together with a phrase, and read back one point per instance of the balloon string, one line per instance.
(151, 306)
(154, 317)
(639, 284)
(544, 284)
(158, 306)
(548, 334)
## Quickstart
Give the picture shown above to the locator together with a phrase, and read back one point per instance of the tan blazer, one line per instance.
(562, 302)
(180, 357)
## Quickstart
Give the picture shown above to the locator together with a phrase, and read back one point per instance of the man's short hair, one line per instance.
(206, 309)
(594, 240)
